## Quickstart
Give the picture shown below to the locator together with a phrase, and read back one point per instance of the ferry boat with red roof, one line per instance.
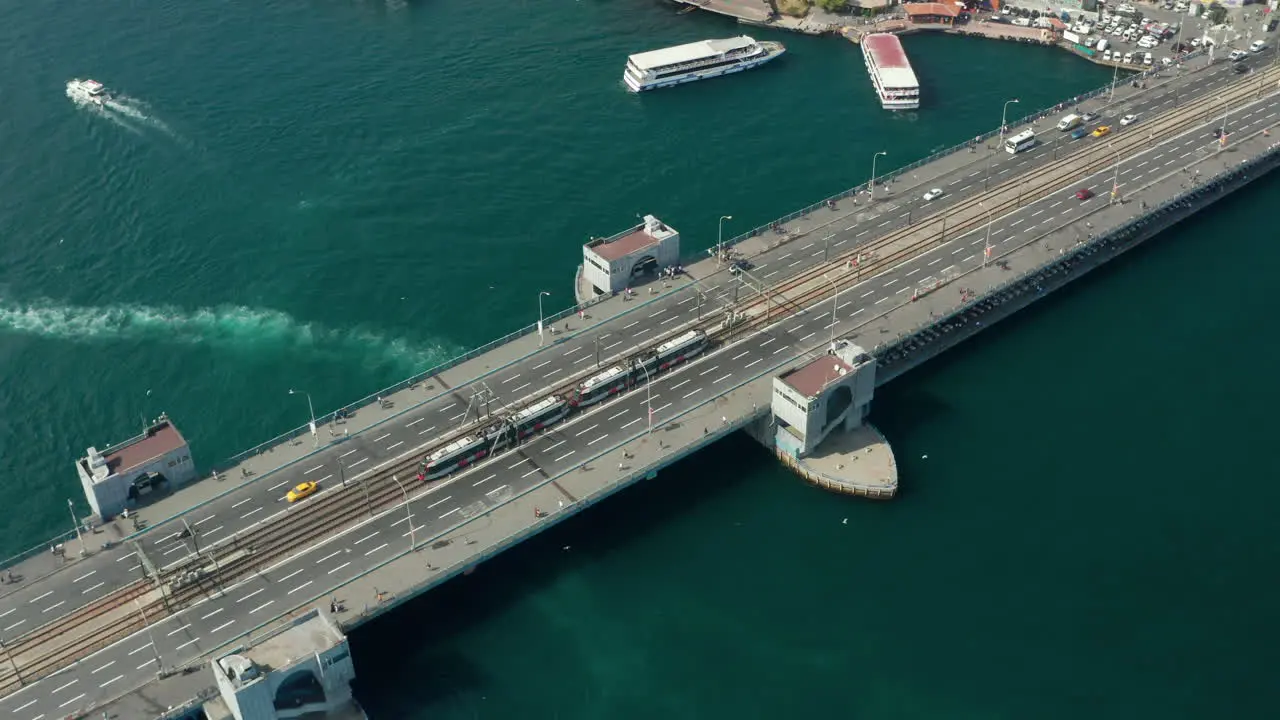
(891, 72)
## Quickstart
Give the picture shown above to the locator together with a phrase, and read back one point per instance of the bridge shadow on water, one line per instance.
(413, 656)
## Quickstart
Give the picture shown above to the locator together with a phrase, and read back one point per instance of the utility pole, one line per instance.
(12, 662)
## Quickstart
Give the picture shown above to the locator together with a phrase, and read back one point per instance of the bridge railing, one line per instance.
(977, 140)
(34, 550)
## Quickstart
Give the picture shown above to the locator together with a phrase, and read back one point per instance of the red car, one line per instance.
(1084, 194)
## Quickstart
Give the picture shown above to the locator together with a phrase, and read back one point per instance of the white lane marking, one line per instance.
(330, 555)
(744, 352)
(518, 463)
(36, 600)
(424, 432)
(722, 378)
(753, 362)
(198, 522)
(536, 469)
(299, 587)
(455, 510)
(593, 442)
(415, 422)
(370, 535)
(618, 414)
(682, 383)
(281, 484)
(223, 626)
(393, 447)
(257, 509)
(553, 447)
(704, 372)
(363, 459)
(118, 677)
(868, 293)
(350, 451)
(88, 590)
(82, 577)
(144, 647)
(375, 550)
(195, 640)
(64, 687)
(177, 630)
(215, 612)
(74, 699)
(695, 391)
(584, 432)
(633, 422)
(127, 556)
(295, 572)
(806, 337)
(628, 327)
(513, 377)
(104, 667)
(564, 456)
(308, 472)
(479, 482)
(438, 502)
(246, 597)
(338, 568)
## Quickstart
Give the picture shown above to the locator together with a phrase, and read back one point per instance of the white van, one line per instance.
(1257, 46)
(1068, 122)
(1022, 22)
(1103, 44)
(1147, 59)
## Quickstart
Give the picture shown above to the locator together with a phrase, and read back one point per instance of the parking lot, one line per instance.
(1139, 35)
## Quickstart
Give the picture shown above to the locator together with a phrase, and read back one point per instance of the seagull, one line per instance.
(924, 456)
(844, 521)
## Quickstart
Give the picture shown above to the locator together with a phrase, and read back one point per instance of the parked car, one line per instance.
(933, 194)
(1128, 120)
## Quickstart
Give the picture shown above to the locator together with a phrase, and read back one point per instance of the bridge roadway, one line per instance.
(256, 503)
(332, 562)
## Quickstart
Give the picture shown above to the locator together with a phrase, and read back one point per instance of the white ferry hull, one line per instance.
(635, 85)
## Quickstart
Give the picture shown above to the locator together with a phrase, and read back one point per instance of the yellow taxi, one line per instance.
(302, 490)
(1102, 130)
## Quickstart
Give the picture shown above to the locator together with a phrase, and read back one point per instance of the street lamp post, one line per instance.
(413, 541)
(648, 396)
(1004, 117)
(1115, 176)
(540, 294)
(315, 439)
(986, 245)
(720, 238)
(871, 192)
(835, 300)
(597, 352)
(154, 648)
(79, 538)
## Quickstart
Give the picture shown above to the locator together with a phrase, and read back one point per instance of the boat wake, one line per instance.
(230, 328)
(122, 110)
(132, 108)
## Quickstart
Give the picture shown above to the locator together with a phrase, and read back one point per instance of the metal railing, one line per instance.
(36, 549)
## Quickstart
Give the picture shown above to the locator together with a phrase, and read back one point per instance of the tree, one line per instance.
(1217, 14)
(833, 5)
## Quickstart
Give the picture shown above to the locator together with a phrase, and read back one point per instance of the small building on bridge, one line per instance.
(612, 264)
(931, 13)
(122, 475)
(832, 391)
(303, 670)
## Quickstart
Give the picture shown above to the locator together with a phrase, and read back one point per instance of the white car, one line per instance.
(1237, 55)
(1257, 46)
(1148, 59)
(1128, 58)
(933, 194)
(1166, 61)
(1128, 120)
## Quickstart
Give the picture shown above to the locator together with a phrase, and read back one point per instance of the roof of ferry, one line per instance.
(689, 52)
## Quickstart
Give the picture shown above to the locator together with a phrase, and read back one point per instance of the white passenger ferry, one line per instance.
(891, 72)
(695, 61)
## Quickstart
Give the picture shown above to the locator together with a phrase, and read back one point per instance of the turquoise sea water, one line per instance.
(330, 196)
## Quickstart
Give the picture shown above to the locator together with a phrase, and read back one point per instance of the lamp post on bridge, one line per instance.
(720, 238)
(648, 396)
(1004, 117)
(871, 191)
(315, 439)
(986, 245)
(540, 294)
(413, 542)
(835, 306)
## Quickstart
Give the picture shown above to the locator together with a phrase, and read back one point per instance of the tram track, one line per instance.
(330, 512)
